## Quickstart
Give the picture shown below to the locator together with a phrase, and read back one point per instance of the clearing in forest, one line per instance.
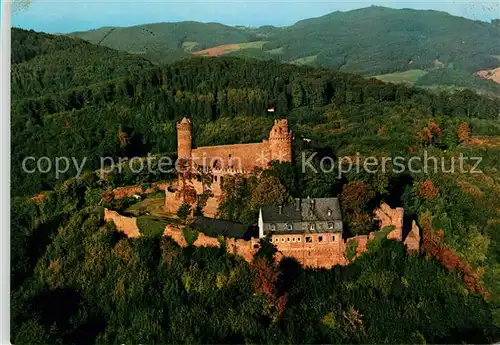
(406, 77)
(228, 48)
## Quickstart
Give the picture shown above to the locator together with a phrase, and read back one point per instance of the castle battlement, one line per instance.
(227, 160)
(249, 156)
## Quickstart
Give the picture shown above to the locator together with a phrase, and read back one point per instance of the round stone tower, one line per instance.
(184, 138)
(280, 141)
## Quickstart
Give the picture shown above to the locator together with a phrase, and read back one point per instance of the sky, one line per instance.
(58, 16)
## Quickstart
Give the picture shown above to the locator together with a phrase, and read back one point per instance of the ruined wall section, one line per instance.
(312, 250)
(128, 191)
(391, 217)
(126, 225)
(245, 249)
(412, 240)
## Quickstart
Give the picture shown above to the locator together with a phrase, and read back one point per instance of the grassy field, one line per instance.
(305, 60)
(152, 205)
(228, 48)
(189, 46)
(406, 77)
(151, 217)
(276, 51)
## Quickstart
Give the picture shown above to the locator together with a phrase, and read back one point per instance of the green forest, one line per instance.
(369, 41)
(76, 280)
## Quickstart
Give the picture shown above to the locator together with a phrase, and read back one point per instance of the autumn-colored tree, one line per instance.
(382, 131)
(464, 132)
(354, 200)
(266, 277)
(427, 189)
(189, 194)
(435, 130)
(122, 136)
(431, 134)
(107, 195)
(425, 136)
(433, 247)
(355, 196)
(281, 306)
(186, 176)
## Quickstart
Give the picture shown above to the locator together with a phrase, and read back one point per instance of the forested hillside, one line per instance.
(46, 64)
(76, 280)
(370, 41)
(165, 42)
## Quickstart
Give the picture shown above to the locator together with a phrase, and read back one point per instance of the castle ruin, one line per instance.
(222, 160)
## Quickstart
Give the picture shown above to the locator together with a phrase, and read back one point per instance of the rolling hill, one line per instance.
(44, 64)
(166, 42)
(371, 41)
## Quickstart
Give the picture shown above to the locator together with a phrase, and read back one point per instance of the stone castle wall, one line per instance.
(312, 250)
(241, 157)
(126, 225)
(245, 249)
(323, 250)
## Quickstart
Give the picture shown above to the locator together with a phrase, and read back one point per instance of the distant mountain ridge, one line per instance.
(373, 41)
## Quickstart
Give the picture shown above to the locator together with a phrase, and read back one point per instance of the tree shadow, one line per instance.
(290, 272)
(60, 307)
(397, 186)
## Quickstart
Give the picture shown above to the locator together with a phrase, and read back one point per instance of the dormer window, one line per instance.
(330, 226)
(273, 227)
(312, 227)
(329, 213)
(289, 227)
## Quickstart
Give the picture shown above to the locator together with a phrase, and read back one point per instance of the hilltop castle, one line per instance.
(225, 160)
(238, 158)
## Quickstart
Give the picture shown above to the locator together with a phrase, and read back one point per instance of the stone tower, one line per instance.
(280, 141)
(184, 138)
